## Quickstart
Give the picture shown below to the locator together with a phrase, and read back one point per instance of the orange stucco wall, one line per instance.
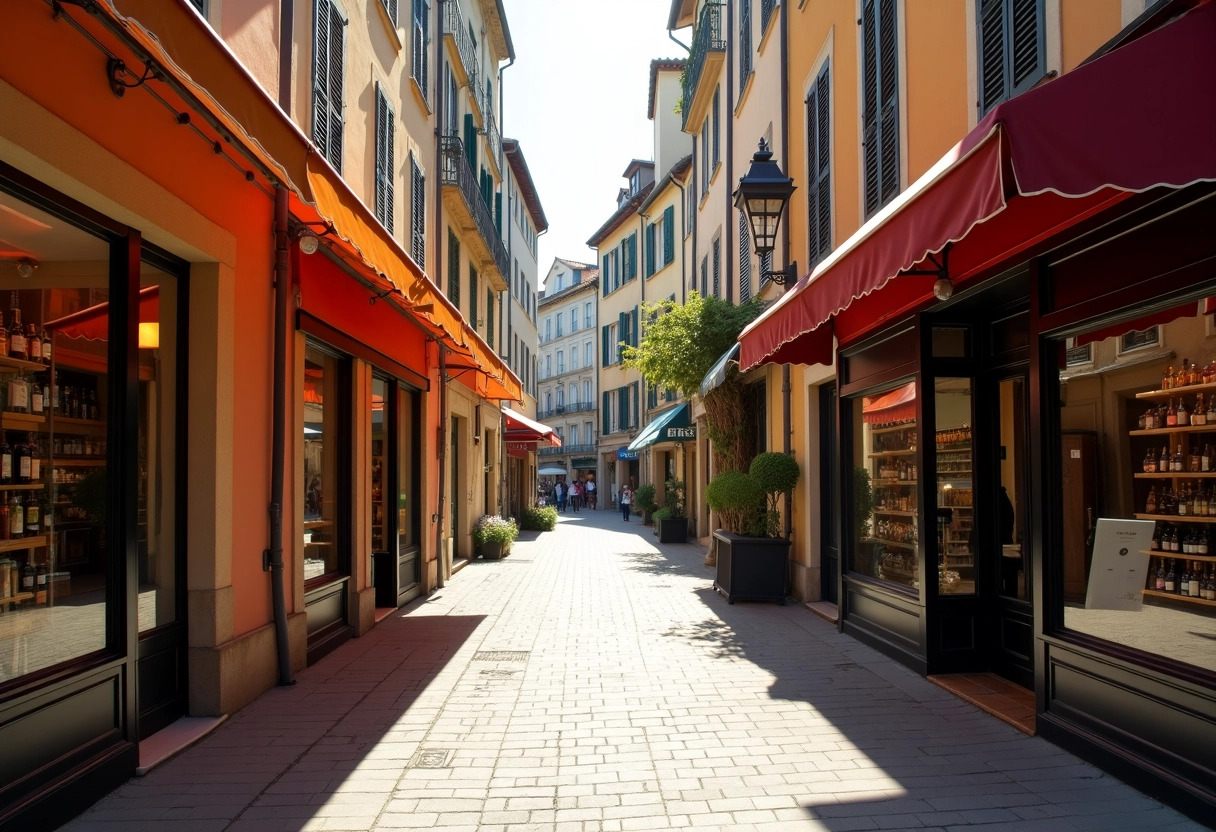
(935, 77)
(142, 133)
(1086, 26)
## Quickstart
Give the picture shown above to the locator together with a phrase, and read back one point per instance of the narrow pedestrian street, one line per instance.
(593, 680)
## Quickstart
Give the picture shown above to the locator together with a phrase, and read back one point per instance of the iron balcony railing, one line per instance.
(709, 37)
(493, 137)
(577, 407)
(567, 449)
(456, 171)
(453, 24)
(766, 13)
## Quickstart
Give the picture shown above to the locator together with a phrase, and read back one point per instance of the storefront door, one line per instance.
(829, 494)
(394, 491)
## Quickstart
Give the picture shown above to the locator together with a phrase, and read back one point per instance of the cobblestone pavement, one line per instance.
(594, 681)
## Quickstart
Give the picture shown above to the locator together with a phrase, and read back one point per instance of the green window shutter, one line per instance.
(490, 316)
(652, 397)
(497, 208)
(605, 425)
(473, 292)
(470, 141)
(622, 332)
(604, 345)
(649, 246)
(634, 395)
(669, 234)
(622, 403)
(633, 328)
(453, 269)
(633, 256)
(604, 278)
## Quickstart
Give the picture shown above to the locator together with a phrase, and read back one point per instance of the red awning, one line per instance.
(94, 322)
(1140, 117)
(522, 429)
(897, 406)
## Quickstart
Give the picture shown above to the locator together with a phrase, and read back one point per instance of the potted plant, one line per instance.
(494, 535)
(670, 521)
(643, 501)
(752, 556)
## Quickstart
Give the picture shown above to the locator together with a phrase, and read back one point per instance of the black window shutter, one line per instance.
(622, 401)
(634, 328)
(880, 102)
(992, 52)
(745, 42)
(453, 269)
(384, 161)
(490, 316)
(888, 82)
(633, 394)
(337, 35)
(819, 169)
(669, 234)
(473, 292)
(745, 259)
(605, 422)
(418, 215)
(717, 268)
(320, 76)
(869, 103)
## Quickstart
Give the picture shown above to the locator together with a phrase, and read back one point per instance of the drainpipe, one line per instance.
(278, 443)
(287, 14)
(678, 235)
(728, 118)
(786, 426)
(442, 439)
(441, 433)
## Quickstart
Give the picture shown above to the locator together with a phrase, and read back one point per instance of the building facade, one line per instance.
(567, 321)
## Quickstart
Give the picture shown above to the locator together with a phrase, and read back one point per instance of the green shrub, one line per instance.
(662, 514)
(643, 498)
(737, 498)
(673, 497)
(490, 528)
(540, 519)
(776, 474)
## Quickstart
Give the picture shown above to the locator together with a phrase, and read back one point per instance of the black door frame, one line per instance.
(829, 493)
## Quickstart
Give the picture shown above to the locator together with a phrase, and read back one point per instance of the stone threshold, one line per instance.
(993, 694)
(824, 609)
(173, 739)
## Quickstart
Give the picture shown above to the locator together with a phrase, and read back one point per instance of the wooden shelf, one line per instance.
(64, 424)
(317, 524)
(881, 454)
(1168, 431)
(78, 461)
(1178, 556)
(894, 543)
(12, 365)
(1174, 518)
(954, 474)
(909, 426)
(1186, 599)
(31, 542)
(895, 482)
(1177, 391)
(29, 486)
(895, 512)
(1175, 475)
(954, 448)
(21, 421)
(19, 597)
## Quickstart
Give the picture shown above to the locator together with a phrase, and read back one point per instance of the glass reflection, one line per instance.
(956, 543)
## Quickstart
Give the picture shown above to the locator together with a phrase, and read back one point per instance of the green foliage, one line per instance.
(90, 495)
(775, 473)
(673, 498)
(643, 498)
(662, 514)
(863, 503)
(540, 519)
(737, 498)
(490, 528)
(683, 341)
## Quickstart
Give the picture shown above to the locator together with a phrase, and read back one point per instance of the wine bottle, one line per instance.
(33, 344)
(1194, 585)
(1171, 580)
(1199, 416)
(16, 515)
(16, 333)
(24, 461)
(1150, 505)
(1159, 583)
(1184, 415)
(1150, 462)
(1171, 415)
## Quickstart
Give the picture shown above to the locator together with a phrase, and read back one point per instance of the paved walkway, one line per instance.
(594, 681)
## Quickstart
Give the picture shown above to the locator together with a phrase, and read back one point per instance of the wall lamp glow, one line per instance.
(26, 267)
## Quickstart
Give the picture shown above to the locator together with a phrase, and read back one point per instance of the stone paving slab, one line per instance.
(593, 681)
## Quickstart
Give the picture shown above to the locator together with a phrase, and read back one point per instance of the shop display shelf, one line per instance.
(1177, 391)
(895, 512)
(880, 454)
(1168, 431)
(1175, 518)
(894, 482)
(893, 429)
(1186, 599)
(15, 365)
(893, 543)
(22, 543)
(1178, 555)
(29, 486)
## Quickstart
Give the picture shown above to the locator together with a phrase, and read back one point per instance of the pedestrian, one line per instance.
(625, 499)
(559, 496)
(576, 494)
(589, 493)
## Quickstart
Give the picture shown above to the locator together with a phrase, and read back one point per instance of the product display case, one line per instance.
(892, 538)
(956, 510)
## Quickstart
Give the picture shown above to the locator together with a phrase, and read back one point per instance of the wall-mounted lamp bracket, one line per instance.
(785, 277)
(942, 272)
(116, 70)
(379, 296)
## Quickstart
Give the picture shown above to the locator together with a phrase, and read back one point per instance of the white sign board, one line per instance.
(1119, 568)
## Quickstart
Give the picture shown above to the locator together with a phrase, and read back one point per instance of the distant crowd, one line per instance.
(581, 493)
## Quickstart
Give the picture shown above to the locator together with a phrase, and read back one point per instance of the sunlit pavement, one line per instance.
(594, 681)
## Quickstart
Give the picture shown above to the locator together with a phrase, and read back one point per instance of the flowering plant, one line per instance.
(491, 528)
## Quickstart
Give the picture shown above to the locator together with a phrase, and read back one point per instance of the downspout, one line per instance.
(278, 441)
(679, 235)
(441, 433)
(728, 118)
(786, 419)
(287, 14)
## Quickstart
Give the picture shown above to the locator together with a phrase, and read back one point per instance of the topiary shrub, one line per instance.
(776, 474)
(737, 498)
(673, 498)
(540, 518)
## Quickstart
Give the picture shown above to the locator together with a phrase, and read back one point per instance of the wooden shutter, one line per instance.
(420, 65)
(390, 6)
(453, 269)
(819, 168)
(384, 161)
(337, 33)
(745, 42)
(604, 280)
(649, 246)
(880, 102)
(604, 345)
(889, 88)
(669, 234)
(327, 74)
(718, 267)
(622, 332)
(605, 423)
(490, 316)
(418, 213)
(622, 403)
(470, 141)
(745, 259)
(634, 395)
(634, 328)
(473, 292)
(991, 40)
(717, 128)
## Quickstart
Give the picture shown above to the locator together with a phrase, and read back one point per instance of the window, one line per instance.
(490, 316)
(557, 329)
(548, 365)
(880, 103)
(574, 319)
(323, 466)
(588, 358)
(1076, 356)
(548, 331)
(385, 166)
(766, 13)
(573, 391)
(390, 6)
(327, 72)
(561, 361)
(420, 36)
(561, 397)
(574, 434)
(1012, 52)
(745, 42)
(705, 156)
(574, 358)
(453, 268)
(629, 257)
(587, 397)
(418, 213)
(1140, 339)
(201, 5)
(819, 169)
(612, 343)
(588, 317)
(669, 234)
(649, 246)
(704, 276)
(473, 293)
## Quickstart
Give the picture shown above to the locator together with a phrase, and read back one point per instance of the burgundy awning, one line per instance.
(522, 429)
(1140, 117)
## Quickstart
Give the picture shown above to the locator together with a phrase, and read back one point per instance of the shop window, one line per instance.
(324, 555)
(1134, 560)
(955, 503)
(884, 533)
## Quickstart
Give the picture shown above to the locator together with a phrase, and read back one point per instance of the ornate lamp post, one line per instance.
(762, 195)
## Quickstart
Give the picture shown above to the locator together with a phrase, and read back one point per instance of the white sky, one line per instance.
(576, 101)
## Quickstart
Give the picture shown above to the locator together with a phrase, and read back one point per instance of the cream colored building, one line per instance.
(517, 312)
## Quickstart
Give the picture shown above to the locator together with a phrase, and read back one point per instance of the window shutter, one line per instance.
(717, 267)
(869, 103)
(604, 346)
(622, 332)
(745, 259)
(650, 264)
(605, 425)
(420, 64)
(669, 234)
(1029, 58)
(880, 103)
(819, 169)
(992, 50)
(622, 402)
(652, 397)
(634, 395)
(473, 291)
(889, 117)
(470, 141)
(453, 269)
(336, 36)
(634, 328)
(604, 278)
(418, 214)
(717, 128)
(320, 76)
(745, 42)
(384, 161)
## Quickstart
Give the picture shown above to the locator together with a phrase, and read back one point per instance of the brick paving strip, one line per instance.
(594, 682)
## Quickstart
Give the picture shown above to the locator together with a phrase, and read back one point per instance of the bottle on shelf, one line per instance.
(1171, 415)
(1184, 415)
(18, 394)
(16, 332)
(3, 336)
(1184, 580)
(1150, 505)
(29, 577)
(33, 519)
(16, 515)
(1159, 580)
(1199, 415)
(33, 344)
(40, 581)
(1150, 462)
(1167, 378)
(37, 403)
(1171, 579)
(6, 462)
(46, 346)
(24, 460)
(1178, 464)
(1163, 461)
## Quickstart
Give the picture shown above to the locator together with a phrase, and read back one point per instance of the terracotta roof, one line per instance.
(586, 283)
(574, 264)
(622, 214)
(519, 166)
(678, 171)
(657, 66)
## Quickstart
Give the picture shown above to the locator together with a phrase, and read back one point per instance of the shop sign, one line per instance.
(626, 455)
(680, 434)
(583, 462)
(1120, 565)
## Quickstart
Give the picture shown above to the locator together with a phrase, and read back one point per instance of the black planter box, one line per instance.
(672, 530)
(751, 568)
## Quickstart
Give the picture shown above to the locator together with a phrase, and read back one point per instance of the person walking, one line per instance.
(576, 494)
(559, 496)
(624, 501)
(589, 493)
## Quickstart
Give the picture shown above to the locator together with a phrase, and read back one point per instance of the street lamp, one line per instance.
(762, 195)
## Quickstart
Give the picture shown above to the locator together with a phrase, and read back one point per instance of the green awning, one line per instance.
(672, 425)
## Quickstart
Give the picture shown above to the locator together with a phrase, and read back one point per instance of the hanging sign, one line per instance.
(680, 434)
(625, 454)
(1120, 565)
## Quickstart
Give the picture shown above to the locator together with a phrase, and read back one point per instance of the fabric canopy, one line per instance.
(522, 429)
(93, 323)
(659, 427)
(717, 373)
(1140, 117)
(897, 406)
(552, 471)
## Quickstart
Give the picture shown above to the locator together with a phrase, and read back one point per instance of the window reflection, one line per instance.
(955, 516)
(320, 465)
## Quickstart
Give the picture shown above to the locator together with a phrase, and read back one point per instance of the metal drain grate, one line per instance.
(433, 758)
(501, 655)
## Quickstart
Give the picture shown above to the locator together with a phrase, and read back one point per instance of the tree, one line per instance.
(680, 344)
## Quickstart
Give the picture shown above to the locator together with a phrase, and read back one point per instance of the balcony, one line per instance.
(567, 449)
(705, 60)
(493, 137)
(462, 55)
(467, 208)
(577, 407)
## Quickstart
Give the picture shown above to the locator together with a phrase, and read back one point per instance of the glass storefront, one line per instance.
(1138, 428)
(324, 552)
(955, 492)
